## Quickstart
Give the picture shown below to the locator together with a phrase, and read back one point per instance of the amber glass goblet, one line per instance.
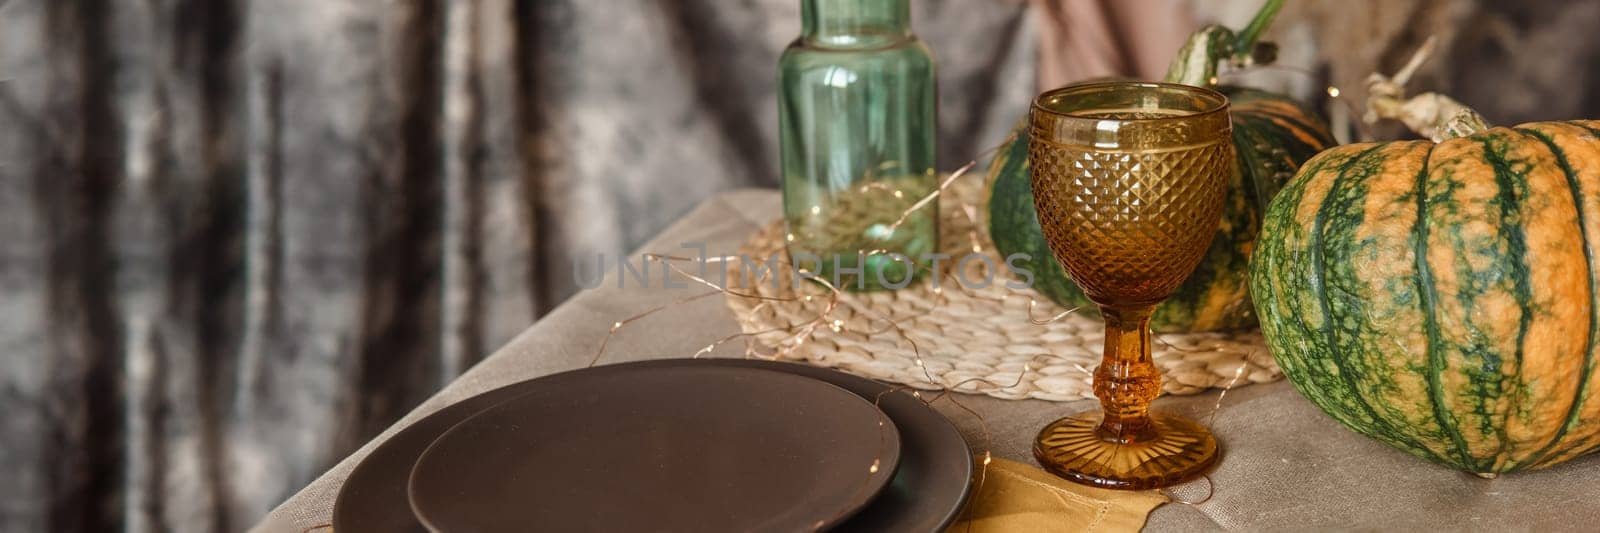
(1128, 179)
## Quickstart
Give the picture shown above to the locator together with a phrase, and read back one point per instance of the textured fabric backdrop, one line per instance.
(239, 237)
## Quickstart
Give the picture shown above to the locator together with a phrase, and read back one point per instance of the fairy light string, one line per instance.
(794, 337)
(804, 330)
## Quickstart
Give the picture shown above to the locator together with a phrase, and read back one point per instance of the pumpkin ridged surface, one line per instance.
(1581, 422)
(1479, 314)
(1558, 324)
(1306, 136)
(1370, 203)
(1331, 382)
(1441, 298)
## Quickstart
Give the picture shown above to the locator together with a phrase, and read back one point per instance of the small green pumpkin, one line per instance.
(1444, 298)
(1273, 135)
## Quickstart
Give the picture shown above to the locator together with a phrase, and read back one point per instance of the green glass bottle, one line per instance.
(856, 108)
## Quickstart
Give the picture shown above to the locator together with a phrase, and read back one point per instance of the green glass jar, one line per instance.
(856, 108)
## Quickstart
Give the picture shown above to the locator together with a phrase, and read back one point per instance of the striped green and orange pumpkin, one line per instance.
(1273, 135)
(1445, 298)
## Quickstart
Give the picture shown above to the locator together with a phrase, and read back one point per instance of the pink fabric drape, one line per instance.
(1081, 39)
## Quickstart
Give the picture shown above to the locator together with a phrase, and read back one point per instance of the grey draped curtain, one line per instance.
(240, 237)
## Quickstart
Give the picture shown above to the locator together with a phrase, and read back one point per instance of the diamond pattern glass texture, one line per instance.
(1128, 179)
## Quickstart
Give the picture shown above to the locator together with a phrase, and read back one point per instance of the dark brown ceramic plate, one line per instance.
(927, 493)
(672, 448)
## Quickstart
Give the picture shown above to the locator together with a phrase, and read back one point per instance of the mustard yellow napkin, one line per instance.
(1016, 497)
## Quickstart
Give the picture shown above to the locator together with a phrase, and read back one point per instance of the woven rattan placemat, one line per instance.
(971, 338)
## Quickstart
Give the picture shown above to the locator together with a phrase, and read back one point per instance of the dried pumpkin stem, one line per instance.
(1432, 115)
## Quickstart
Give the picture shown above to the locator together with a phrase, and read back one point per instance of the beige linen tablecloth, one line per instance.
(1284, 466)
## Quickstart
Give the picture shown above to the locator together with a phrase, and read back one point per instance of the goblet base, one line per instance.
(1172, 450)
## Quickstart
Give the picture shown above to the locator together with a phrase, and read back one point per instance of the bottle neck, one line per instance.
(854, 23)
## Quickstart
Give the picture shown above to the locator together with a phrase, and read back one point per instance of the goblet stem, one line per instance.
(1123, 446)
(1129, 181)
(1127, 380)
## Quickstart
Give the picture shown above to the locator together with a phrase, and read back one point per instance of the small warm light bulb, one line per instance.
(899, 194)
(816, 209)
(1333, 91)
(789, 237)
(874, 468)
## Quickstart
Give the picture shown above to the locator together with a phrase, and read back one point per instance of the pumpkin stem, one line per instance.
(1246, 48)
(1432, 115)
(1201, 56)
(1196, 63)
